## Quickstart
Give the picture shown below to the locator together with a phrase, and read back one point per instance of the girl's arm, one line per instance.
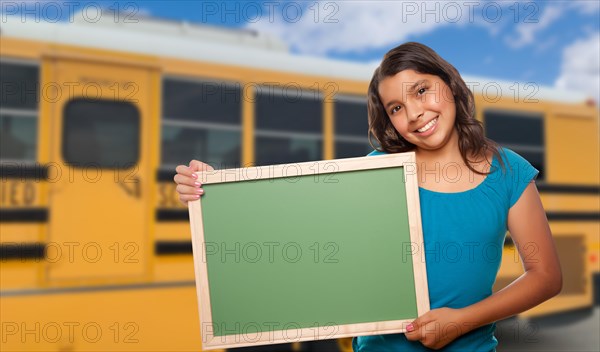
(542, 279)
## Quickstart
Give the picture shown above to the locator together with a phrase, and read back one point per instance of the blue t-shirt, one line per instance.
(463, 237)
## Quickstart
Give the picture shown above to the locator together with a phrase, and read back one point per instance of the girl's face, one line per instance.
(421, 107)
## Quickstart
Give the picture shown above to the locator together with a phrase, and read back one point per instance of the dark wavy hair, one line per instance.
(422, 59)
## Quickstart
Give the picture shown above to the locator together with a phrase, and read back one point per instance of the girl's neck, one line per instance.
(449, 152)
(444, 170)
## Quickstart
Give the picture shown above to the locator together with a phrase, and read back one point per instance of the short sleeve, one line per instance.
(376, 152)
(519, 174)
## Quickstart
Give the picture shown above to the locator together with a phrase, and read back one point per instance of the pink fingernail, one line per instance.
(410, 327)
(199, 191)
(198, 184)
(194, 175)
(196, 196)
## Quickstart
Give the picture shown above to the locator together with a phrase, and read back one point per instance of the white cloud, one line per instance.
(580, 68)
(360, 25)
(527, 31)
(356, 26)
(545, 44)
(588, 7)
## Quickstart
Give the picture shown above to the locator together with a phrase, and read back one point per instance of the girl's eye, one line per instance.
(421, 91)
(396, 109)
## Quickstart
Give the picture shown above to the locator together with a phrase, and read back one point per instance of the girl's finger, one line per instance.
(184, 170)
(413, 335)
(413, 331)
(187, 190)
(184, 199)
(185, 180)
(196, 165)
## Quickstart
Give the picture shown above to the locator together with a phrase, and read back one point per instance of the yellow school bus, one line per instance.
(95, 247)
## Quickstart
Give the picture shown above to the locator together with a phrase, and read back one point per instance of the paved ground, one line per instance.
(572, 332)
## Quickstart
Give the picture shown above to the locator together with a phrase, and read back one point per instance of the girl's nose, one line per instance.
(414, 111)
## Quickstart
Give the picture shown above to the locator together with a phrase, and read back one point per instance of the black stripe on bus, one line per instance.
(21, 251)
(23, 171)
(91, 289)
(172, 247)
(165, 175)
(573, 216)
(24, 215)
(172, 215)
(596, 283)
(182, 215)
(168, 174)
(568, 189)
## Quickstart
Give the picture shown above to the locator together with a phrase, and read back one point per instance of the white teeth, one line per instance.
(428, 126)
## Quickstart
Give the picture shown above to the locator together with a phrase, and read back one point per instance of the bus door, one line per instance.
(99, 174)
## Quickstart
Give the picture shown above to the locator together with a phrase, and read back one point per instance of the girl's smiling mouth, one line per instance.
(428, 126)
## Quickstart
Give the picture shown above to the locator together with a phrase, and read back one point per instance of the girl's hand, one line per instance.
(188, 185)
(438, 327)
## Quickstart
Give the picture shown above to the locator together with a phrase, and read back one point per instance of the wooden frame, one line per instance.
(404, 160)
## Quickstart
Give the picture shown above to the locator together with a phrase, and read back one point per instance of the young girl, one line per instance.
(471, 191)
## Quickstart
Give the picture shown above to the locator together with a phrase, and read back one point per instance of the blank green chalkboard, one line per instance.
(308, 251)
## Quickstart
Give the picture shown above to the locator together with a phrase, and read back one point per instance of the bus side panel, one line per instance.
(138, 319)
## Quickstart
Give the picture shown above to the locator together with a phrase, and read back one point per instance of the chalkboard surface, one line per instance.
(308, 251)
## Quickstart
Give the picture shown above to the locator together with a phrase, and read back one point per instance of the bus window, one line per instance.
(18, 137)
(102, 133)
(523, 132)
(18, 111)
(351, 127)
(289, 125)
(201, 120)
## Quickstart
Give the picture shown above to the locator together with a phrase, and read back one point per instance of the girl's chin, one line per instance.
(432, 143)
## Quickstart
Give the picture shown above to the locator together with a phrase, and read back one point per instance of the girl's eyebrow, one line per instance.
(391, 103)
(416, 84)
(409, 90)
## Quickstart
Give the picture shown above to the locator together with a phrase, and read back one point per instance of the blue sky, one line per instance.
(553, 43)
(529, 41)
